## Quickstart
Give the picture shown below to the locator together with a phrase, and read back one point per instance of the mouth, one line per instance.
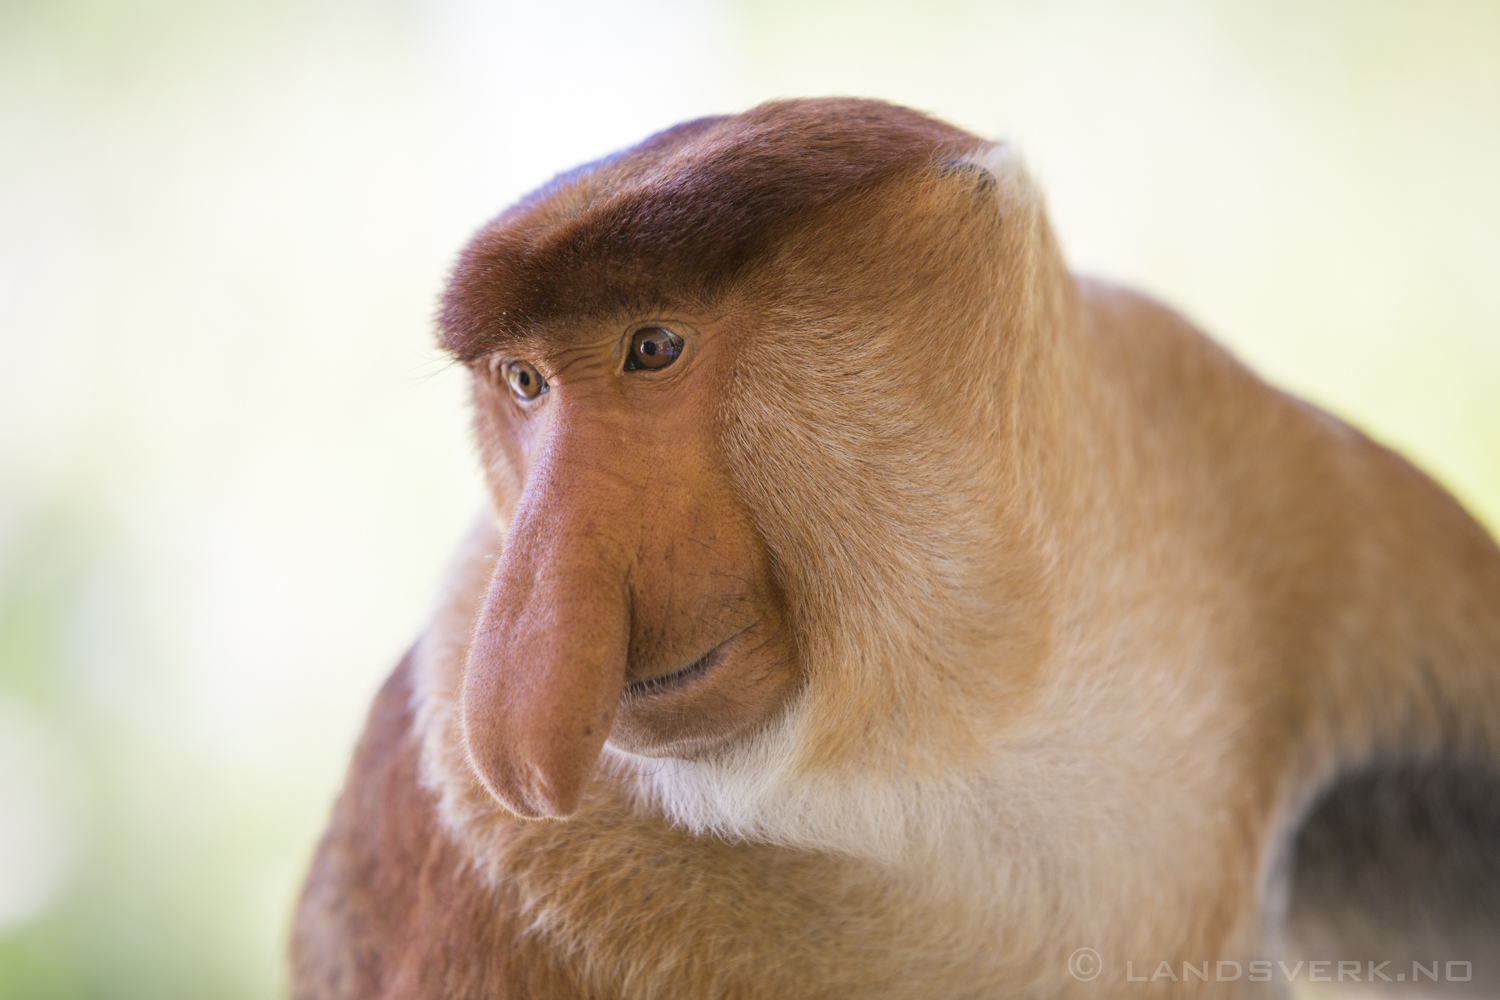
(649, 686)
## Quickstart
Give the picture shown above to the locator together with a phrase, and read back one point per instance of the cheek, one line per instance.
(507, 439)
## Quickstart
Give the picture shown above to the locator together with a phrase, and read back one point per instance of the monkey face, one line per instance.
(634, 600)
(722, 479)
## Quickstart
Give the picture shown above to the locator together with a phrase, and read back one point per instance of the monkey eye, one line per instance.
(652, 348)
(525, 381)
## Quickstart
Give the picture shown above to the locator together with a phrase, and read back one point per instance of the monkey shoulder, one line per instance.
(392, 907)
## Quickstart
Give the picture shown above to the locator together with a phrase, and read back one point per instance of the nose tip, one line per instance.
(543, 678)
(530, 789)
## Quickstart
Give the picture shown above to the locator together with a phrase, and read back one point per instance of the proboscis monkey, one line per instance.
(871, 608)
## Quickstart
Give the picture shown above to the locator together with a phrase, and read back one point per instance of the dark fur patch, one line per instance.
(677, 218)
(1403, 863)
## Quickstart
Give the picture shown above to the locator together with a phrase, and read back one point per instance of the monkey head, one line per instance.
(744, 398)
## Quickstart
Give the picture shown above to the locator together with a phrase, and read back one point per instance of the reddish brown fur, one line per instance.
(408, 915)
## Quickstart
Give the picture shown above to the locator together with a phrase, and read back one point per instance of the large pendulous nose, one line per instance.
(547, 661)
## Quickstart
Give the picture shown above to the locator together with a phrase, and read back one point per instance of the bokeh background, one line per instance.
(232, 464)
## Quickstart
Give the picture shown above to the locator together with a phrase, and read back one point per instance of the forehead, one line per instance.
(673, 222)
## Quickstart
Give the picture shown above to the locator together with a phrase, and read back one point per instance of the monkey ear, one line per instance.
(964, 171)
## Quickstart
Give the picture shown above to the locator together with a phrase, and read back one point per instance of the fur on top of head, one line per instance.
(678, 216)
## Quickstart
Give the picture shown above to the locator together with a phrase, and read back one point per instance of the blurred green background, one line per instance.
(232, 464)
